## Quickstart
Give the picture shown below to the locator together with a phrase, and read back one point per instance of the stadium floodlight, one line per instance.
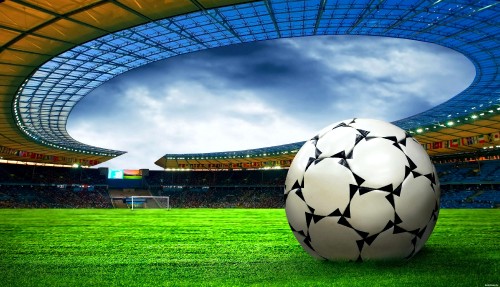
(149, 201)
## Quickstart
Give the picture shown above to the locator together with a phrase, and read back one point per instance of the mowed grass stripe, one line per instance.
(214, 247)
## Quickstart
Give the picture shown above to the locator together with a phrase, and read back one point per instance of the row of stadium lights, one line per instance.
(190, 169)
(231, 157)
(2, 160)
(19, 124)
(491, 147)
(451, 122)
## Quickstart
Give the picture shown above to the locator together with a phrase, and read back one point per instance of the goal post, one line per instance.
(149, 201)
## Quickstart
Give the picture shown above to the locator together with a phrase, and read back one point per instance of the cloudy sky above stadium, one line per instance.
(263, 94)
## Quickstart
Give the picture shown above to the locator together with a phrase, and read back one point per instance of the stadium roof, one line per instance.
(53, 53)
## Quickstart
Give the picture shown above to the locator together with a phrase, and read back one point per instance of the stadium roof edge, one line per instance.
(49, 68)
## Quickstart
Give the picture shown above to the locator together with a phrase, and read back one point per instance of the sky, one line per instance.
(263, 94)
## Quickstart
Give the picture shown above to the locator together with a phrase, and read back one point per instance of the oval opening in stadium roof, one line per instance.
(264, 93)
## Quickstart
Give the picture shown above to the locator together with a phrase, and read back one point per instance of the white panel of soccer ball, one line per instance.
(360, 190)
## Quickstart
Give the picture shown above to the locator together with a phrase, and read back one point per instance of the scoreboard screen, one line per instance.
(124, 174)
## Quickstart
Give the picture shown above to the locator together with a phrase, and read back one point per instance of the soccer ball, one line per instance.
(362, 190)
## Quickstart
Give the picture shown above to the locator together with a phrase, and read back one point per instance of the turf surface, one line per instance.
(215, 247)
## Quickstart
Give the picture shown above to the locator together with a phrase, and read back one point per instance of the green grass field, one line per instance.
(231, 247)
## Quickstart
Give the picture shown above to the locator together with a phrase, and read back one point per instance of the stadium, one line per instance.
(217, 218)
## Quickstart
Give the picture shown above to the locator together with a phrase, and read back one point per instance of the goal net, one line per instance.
(135, 202)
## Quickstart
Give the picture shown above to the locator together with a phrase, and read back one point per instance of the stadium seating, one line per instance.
(472, 197)
(469, 172)
(31, 174)
(247, 197)
(218, 177)
(38, 196)
(464, 185)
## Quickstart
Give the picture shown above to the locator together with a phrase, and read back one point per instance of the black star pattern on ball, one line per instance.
(342, 155)
(314, 140)
(296, 185)
(306, 239)
(341, 125)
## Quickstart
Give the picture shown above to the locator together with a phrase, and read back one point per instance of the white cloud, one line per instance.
(398, 67)
(187, 118)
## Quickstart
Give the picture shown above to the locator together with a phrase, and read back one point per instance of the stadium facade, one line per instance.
(54, 53)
